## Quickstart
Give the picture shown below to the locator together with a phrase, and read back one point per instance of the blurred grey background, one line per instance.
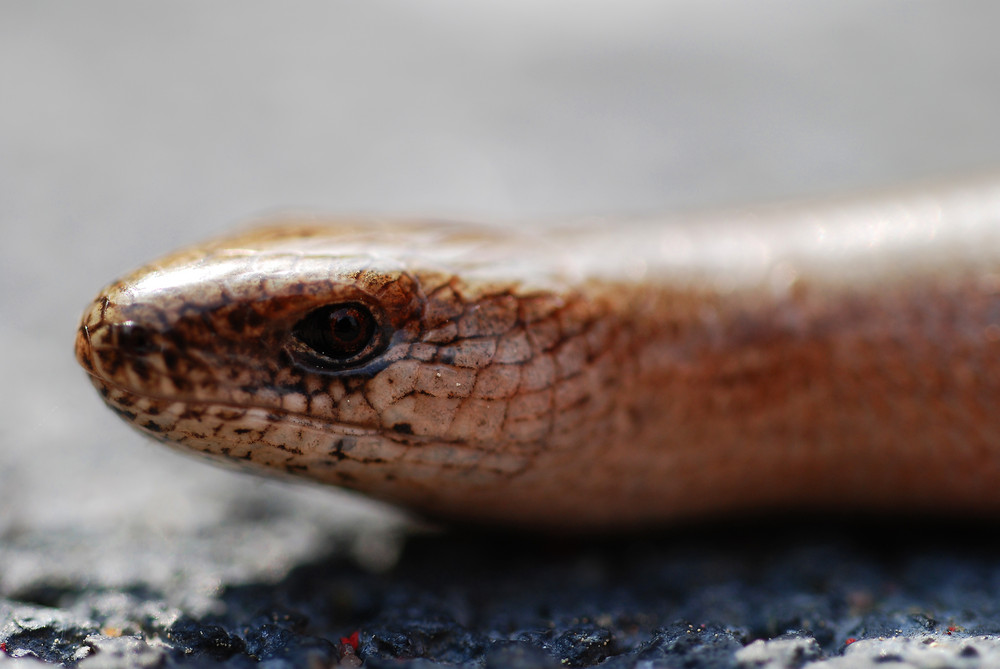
(129, 128)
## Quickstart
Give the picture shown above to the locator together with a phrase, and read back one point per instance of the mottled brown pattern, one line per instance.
(604, 376)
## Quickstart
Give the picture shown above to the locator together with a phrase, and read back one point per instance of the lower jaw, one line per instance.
(445, 480)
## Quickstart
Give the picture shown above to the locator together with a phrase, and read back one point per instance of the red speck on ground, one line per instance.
(352, 640)
(850, 641)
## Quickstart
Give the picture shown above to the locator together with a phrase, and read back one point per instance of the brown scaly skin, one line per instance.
(583, 379)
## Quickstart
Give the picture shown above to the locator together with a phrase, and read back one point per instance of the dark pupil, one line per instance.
(339, 331)
(347, 328)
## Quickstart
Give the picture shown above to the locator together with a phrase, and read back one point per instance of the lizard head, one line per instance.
(347, 353)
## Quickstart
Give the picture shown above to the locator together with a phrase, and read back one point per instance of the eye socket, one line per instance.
(345, 334)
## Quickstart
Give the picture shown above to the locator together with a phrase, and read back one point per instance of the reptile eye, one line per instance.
(343, 334)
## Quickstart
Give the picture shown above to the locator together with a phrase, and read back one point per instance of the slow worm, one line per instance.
(841, 355)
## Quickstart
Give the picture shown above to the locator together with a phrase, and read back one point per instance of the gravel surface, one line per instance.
(127, 129)
(779, 594)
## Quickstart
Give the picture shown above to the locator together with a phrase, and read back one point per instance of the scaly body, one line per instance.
(613, 373)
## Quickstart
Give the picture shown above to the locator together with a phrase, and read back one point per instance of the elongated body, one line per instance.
(838, 356)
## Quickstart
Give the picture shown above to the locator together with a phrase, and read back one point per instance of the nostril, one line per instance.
(129, 336)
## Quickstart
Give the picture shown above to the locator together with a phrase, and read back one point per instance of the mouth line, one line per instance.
(339, 427)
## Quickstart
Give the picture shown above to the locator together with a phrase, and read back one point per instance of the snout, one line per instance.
(105, 343)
